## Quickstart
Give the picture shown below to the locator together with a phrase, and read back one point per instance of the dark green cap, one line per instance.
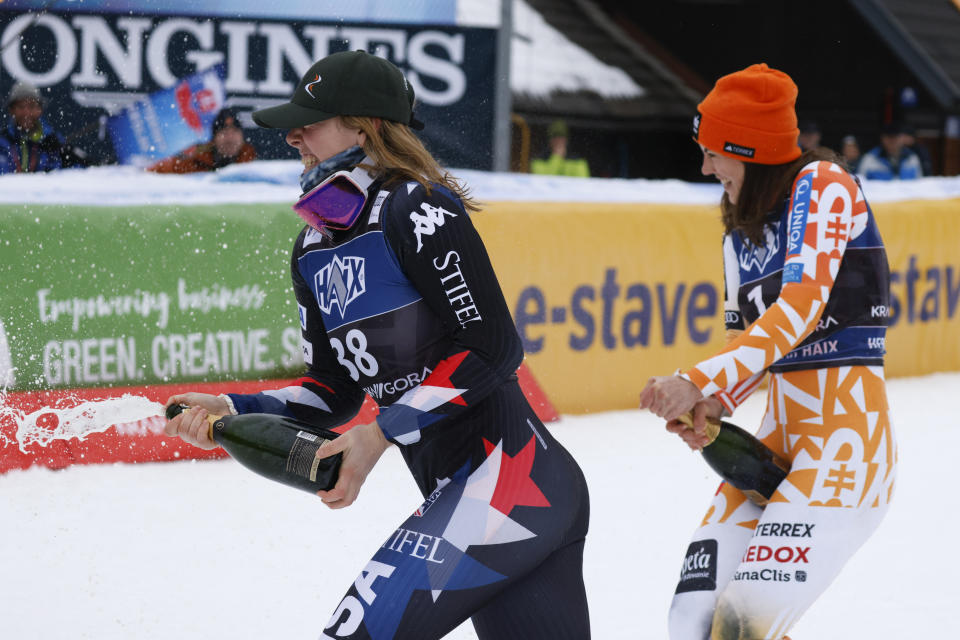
(348, 83)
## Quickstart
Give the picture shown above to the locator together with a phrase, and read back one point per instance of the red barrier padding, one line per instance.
(144, 440)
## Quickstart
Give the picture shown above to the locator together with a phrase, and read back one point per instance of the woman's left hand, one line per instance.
(362, 447)
(669, 396)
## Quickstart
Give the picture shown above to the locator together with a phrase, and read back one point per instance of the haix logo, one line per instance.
(696, 125)
(739, 150)
(758, 257)
(823, 347)
(340, 283)
(428, 223)
(309, 85)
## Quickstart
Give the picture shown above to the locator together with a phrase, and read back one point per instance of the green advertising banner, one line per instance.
(117, 296)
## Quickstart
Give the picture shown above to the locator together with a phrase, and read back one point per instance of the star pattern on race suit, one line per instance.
(472, 509)
(404, 419)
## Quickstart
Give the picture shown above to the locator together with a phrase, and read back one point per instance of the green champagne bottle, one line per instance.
(276, 447)
(742, 460)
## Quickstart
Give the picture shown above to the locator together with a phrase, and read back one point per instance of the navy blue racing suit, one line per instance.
(405, 306)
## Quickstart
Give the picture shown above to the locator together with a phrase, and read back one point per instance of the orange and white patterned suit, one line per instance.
(812, 302)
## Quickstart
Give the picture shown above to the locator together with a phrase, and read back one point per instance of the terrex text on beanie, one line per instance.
(750, 115)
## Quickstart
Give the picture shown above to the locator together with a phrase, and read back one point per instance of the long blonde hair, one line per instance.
(400, 155)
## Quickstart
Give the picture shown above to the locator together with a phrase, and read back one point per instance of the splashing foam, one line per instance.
(51, 423)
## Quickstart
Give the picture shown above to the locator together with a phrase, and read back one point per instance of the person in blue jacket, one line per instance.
(398, 300)
(892, 159)
(28, 144)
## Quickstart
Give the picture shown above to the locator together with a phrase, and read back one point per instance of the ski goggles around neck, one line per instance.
(336, 202)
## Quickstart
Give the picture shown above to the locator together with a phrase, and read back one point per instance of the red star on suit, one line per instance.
(514, 485)
(442, 372)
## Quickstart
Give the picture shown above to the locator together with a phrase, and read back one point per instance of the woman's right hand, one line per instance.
(696, 437)
(191, 426)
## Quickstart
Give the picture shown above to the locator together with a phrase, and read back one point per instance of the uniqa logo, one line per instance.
(340, 283)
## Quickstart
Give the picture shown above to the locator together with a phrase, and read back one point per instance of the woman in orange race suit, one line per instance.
(807, 299)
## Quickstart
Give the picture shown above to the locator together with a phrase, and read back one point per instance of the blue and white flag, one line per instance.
(169, 121)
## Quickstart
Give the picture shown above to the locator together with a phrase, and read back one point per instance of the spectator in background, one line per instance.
(810, 135)
(892, 160)
(28, 144)
(910, 142)
(558, 163)
(227, 146)
(850, 152)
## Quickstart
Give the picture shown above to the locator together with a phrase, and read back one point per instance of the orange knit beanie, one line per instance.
(749, 115)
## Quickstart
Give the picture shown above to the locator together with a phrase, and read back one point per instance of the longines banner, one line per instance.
(603, 295)
(93, 59)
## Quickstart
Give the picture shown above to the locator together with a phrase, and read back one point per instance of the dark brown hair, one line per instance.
(395, 150)
(765, 187)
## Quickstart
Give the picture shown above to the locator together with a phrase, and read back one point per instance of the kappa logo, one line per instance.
(758, 257)
(307, 87)
(427, 223)
(340, 283)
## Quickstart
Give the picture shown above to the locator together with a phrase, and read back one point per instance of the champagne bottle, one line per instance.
(276, 447)
(742, 460)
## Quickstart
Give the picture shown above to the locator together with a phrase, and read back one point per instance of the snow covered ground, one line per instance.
(209, 550)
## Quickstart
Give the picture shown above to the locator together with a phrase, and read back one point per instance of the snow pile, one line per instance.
(277, 181)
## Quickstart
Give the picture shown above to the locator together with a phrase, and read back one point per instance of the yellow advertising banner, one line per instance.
(923, 247)
(606, 295)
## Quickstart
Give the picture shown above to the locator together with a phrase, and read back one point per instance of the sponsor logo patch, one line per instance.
(426, 223)
(455, 286)
(428, 502)
(303, 316)
(785, 529)
(699, 571)
(739, 150)
(797, 224)
(765, 575)
(309, 86)
(792, 273)
(340, 283)
(783, 555)
(758, 257)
